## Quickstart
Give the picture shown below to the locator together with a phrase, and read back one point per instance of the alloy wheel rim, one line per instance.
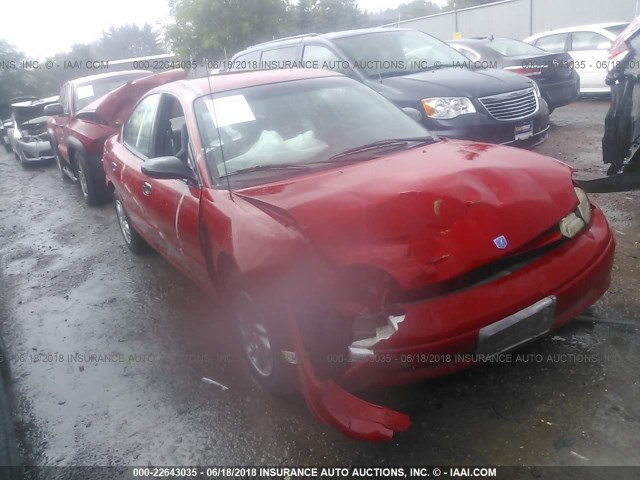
(255, 336)
(124, 223)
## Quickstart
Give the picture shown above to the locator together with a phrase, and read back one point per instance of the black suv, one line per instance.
(415, 70)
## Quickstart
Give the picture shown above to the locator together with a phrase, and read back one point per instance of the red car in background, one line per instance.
(358, 249)
(77, 131)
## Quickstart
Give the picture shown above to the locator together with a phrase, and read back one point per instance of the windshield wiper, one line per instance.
(381, 144)
(266, 168)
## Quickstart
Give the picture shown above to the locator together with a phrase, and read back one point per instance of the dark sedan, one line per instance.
(559, 83)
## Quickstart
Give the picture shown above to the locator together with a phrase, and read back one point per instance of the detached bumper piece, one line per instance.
(331, 404)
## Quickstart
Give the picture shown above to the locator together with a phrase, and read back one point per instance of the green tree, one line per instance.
(322, 16)
(128, 41)
(414, 9)
(14, 80)
(211, 28)
(48, 81)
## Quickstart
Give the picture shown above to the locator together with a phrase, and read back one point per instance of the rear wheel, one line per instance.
(56, 155)
(94, 190)
(132, 238)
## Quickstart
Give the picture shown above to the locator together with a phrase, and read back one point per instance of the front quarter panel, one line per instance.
(259, 244)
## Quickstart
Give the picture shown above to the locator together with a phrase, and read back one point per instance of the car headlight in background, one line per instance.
(573, 223)
(447, 107)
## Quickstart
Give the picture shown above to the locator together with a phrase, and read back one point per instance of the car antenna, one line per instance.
(215, 120)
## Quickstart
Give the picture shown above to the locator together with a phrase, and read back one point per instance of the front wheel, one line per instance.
(261, 331)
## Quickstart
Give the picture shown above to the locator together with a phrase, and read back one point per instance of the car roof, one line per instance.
(197, 87)
(100, 76)
(327, 36)
(579, 28)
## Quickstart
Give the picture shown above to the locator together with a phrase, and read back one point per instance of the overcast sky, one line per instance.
(41, 28)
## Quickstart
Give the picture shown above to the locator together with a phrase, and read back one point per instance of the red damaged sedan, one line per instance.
(359, 250)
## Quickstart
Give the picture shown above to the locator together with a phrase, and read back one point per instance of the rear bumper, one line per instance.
(559, 94)
(436, 336)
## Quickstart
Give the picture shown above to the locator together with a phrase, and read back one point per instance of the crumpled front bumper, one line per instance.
(435, 336)
(35, 151)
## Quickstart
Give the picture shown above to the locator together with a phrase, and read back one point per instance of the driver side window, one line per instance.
(138, 130)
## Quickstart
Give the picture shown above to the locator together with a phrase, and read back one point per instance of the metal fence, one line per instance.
(521, 18)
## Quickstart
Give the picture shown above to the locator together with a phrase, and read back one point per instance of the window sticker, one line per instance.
(230, 111)
(84, 91)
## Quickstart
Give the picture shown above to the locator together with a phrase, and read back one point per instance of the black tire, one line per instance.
(258, 315)
(7, 147)
(132, 238)
(21, 158)
(56, 156)
(91, 180)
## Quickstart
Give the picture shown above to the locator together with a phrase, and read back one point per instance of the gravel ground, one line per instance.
(69, 288)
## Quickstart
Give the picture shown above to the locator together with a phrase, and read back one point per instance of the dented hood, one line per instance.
(116, 105)
(427, 214)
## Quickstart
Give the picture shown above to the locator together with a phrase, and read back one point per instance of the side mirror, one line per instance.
(54, 110)
(413, 113)
(168, 168)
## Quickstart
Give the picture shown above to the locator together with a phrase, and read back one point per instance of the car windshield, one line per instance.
(398, 52)
(513, 48)
(292, 126)
(85, 93)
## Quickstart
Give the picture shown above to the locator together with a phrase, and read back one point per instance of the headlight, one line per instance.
(447, 107)
(573, 223)
(536, 89)
(17, 135)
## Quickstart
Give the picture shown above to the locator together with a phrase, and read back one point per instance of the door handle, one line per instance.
(146, 188)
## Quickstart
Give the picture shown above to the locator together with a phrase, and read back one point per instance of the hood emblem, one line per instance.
(501, 242)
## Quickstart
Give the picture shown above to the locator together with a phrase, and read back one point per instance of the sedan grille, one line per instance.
(512, 105)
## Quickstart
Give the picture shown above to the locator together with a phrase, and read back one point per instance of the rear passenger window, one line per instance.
(248, 61)
(553, 43)
(139, 127)
(589, 41)
(284, 54)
